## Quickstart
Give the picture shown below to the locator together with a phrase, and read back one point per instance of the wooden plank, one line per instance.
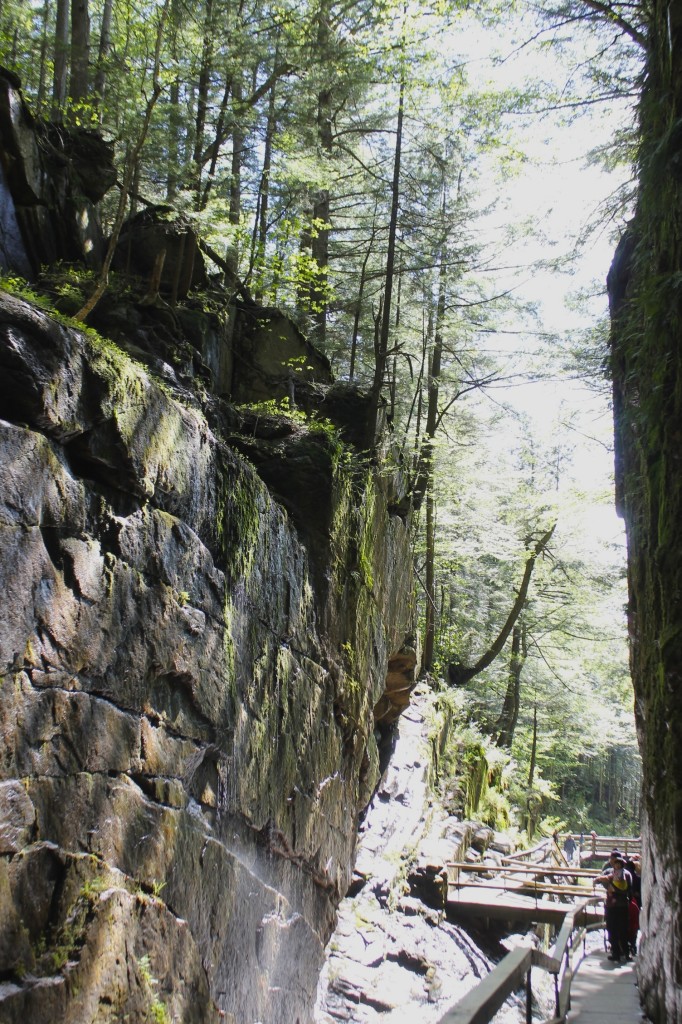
(574, 919)
(519, 869)
(483, 1002)
(563, 937)
(526, 887)
(541, 913)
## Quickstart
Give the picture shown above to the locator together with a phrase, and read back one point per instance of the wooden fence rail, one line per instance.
(481, 1004)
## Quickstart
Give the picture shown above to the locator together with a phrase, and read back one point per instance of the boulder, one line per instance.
(53, 177)
(159, 232)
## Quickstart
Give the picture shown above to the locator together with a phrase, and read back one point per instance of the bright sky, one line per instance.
(561, 193)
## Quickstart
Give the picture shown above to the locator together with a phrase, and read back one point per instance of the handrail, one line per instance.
(480, 868)
(602, 845)
(528, 854)
(481, 1004)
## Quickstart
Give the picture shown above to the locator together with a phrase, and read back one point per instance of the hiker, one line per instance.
(569, 847)
(634, 865)
(609, 863)
(618, 883)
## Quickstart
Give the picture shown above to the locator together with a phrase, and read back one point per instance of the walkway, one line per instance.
(604, 993)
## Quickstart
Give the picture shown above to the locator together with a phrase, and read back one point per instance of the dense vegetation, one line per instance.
(349, 163)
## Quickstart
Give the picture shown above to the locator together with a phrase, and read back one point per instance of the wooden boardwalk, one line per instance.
(604, 993)
(484, 904)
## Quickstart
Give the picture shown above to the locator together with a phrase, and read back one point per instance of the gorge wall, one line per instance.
(207, 620)
(646, 360)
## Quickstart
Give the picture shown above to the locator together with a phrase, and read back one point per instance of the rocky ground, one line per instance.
(394, 954)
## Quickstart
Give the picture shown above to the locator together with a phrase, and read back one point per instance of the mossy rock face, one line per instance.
(90, 941)
(272, 356)
(647, 370)
(299, 468)
(190, 663)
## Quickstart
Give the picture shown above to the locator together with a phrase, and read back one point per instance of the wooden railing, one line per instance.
(525, 878)
(535, 855)
(481, 1004)
(598, 846)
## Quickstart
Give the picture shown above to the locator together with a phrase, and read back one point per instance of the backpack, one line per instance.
(619, 890)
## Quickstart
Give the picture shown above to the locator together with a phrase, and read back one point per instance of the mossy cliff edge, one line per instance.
(646, 360)
(191, 679)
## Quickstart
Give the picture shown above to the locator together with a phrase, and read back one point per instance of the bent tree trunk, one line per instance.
(461, 674)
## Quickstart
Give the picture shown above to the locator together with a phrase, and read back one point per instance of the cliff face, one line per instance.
(644, 288)
(189, 677)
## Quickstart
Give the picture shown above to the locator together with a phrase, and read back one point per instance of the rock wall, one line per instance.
(50, 183)
(644, 288)
(188, 677)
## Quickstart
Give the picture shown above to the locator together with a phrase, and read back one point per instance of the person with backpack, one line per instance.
(618, 884)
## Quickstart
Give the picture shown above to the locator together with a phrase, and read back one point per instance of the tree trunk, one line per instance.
(238, 138)
(321, 214)
(430, 609)
(203, 88)
(424, 471)
(131, 167)
(41, 98)
(358, 307)
(61, 49)
(533, 749)
(80, 51)
(174, 125)
(533, 801)
(426, 458)
(509, 716)
(381, 344)
(261, 221)
(460, 674)
(104, 50)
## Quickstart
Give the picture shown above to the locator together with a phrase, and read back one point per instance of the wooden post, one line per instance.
(529, 1000)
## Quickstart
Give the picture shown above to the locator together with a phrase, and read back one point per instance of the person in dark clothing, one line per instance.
(618, 884)
(609, 863)
(633, 865)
